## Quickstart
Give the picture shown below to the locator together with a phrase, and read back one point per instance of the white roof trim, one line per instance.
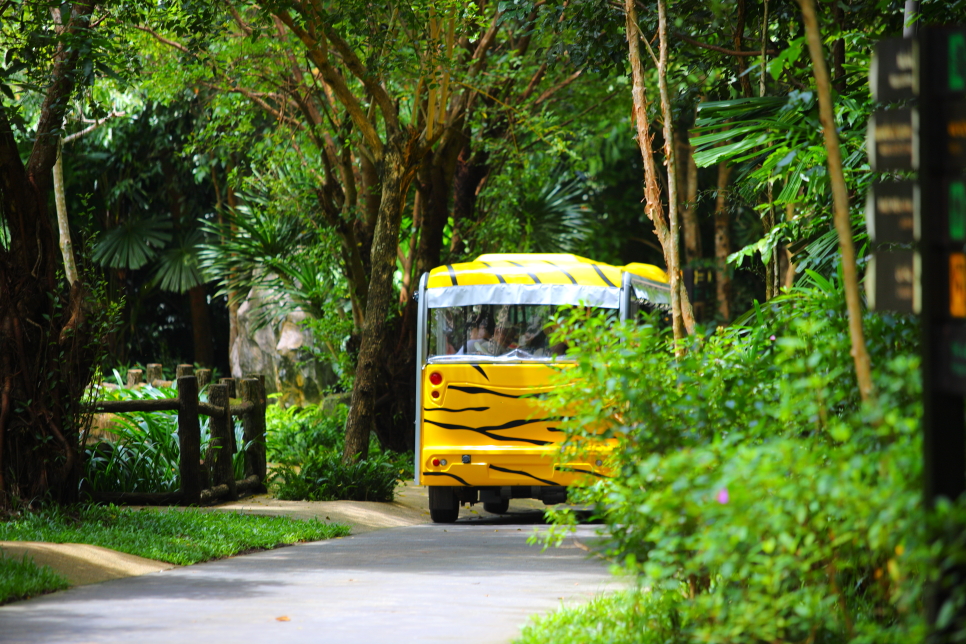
(601, 296)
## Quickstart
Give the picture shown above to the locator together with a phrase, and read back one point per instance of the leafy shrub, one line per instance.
(754, 489)
(293, 432)
(146, 455)
(324, 477)
(306, 444)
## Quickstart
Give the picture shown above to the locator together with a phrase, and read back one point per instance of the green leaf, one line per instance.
(133, 243)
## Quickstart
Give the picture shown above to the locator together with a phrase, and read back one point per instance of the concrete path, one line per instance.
(469, 582)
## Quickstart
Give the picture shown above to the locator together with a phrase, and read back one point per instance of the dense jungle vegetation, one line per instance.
(160, 161)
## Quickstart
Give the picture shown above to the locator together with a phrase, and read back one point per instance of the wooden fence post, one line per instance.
(153, 373)
(204, 378)
(189, 438)
(230, 383)
(134, 378)
(184, 370)
(220, 444)
(253, 424)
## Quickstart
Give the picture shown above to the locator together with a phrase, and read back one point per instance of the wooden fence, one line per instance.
(217, 470)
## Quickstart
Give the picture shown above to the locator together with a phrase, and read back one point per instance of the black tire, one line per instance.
(443, 504)
(499, 507)
(444, 516)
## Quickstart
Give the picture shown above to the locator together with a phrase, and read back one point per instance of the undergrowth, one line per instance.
(758, 499)
(178, 536)
(21, 578)
(305, 448)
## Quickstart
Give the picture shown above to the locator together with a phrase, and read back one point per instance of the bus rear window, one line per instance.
(494, 332)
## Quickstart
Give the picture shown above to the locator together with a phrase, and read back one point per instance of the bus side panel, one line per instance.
(486, 428)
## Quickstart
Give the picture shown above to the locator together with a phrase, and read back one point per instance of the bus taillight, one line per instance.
(435, 378)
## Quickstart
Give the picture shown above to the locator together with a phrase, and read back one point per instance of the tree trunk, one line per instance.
(722, 243)
(693, 250)
(667, 230)
(60, 200)
(46, 348)
(396, 176)
(680, 305)
(840, 200)
(201, 326)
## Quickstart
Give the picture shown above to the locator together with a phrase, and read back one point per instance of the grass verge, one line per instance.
(628, 617)
(22, 578)
(176, 536)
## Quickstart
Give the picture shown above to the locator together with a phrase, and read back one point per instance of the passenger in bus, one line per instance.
(480, 330)
(504, 340)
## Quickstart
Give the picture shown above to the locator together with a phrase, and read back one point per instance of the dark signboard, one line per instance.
(699, 283)
(952, 358)
(894, 75)
(944, 49)
(893, 140)
(954, 212)
(891, 209)
(953, 135)
(891, 282)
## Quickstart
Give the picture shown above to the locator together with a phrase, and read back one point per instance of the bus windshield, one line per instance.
(494, 333)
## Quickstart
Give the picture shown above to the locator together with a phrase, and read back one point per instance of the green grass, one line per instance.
(628, 617)
(22, 578)
(176, 536)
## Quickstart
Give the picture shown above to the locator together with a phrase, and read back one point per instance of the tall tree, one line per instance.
(46, 335)
(368, 120)
(843, 225)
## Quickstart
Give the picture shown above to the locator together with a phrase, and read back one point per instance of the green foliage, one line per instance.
(133, 243)
(635, 616)
(323, 476)
(146, 455)
(293, 432)
(21, 579)
(178, 536)
(306, 446)
(753, 488)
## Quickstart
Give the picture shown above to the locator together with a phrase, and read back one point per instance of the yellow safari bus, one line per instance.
(484, 352)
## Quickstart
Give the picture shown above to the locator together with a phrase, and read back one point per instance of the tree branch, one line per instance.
(318, 52)
(161, 39)
(44, 152)
(94, 124)
(559, 86)
(722, 50)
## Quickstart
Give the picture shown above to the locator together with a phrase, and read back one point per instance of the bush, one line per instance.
(146, 455)
(755, 490)
(324, 477)
(306, 446)
(294, 432)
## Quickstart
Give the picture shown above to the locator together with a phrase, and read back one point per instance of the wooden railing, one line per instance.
(217, 470)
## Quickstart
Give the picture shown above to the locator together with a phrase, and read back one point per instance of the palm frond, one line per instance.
(133, 243)
(178, 269)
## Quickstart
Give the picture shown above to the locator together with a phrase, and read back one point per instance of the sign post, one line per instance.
(923, 223)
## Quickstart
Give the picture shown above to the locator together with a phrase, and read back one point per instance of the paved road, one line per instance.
(465, 582)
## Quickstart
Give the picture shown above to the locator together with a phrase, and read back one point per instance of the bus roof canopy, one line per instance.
(534, 279)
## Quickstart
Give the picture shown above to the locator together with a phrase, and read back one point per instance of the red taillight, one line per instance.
(435, 462)
(435, 378)
(435, 394)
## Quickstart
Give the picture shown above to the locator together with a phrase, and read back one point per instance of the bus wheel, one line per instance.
(443, 505)
(444, 516)
(498, 507)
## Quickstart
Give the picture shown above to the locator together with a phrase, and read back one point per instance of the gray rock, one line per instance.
(280, 351)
